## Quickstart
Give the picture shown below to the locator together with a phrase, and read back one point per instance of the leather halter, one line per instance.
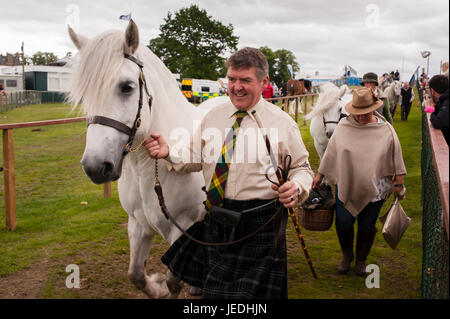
(121, 127)
(341, 116)
(335, 122)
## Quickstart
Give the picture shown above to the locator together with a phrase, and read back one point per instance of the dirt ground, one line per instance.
(100, 277)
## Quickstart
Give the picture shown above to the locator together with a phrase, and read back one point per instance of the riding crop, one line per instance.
(281, 180)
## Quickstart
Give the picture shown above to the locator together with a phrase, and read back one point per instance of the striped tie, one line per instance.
(216, 189)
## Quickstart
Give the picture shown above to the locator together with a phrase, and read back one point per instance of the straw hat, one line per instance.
(363, 102)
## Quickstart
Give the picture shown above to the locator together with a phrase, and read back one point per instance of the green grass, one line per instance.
(55, 229)
(50, 189)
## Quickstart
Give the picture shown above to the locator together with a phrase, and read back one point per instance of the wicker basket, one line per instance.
(317, 220)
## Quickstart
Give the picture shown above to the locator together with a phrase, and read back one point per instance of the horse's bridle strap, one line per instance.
(109, 122)
(133, 59)
(334, 122)
(121, 127)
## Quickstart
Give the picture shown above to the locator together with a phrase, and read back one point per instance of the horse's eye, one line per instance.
(127, 87)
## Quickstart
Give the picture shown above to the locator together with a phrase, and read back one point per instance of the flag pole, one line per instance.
(23, 69)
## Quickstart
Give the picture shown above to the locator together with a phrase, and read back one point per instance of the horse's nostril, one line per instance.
(329, 134)
(107, 168)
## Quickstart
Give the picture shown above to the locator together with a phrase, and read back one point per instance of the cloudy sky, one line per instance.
(324, 35)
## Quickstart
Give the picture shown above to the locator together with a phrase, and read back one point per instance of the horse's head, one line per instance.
(109, 88)
(333, 115)
(331, 118)
(329, 108)
(397, 87)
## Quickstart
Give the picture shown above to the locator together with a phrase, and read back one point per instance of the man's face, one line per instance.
(435, 96)
(371, 85)
(244, 87)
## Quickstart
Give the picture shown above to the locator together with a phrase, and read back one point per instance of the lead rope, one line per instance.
(162, 206)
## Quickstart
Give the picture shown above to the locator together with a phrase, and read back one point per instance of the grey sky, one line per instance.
(374, 35)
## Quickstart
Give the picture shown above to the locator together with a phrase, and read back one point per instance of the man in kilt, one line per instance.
(236, 181)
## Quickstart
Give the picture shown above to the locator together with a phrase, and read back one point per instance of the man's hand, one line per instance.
(317, 181)
(287, 193)
(156, 146)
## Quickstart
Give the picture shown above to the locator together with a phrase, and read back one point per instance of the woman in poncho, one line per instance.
(361, 158)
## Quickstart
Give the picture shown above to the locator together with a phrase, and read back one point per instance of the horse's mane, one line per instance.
(329, 93)
(96, 72)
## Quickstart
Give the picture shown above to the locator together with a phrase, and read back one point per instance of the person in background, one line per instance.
(268, 92)
(3, 96)
(276, 91)
(444, 69)
(370, 80)
(2, 90)
(439, 93)
(361, 157)
(407, 95)
(423, 79)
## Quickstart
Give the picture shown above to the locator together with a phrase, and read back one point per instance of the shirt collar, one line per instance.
(258, 107)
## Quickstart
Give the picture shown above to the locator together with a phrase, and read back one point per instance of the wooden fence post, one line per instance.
(8, 171)
(296, 110)
(305, 109)
(107, 190)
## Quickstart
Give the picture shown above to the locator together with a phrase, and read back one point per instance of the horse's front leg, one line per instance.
(155, 285)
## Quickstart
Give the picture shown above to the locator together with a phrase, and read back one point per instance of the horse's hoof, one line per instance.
(195, 291)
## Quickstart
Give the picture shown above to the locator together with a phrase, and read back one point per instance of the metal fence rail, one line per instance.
(435, 201)
(17, 99)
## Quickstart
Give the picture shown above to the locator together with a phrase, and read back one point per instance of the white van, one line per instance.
(198, 90)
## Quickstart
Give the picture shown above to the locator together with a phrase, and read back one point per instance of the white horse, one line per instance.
(393, 93)
(107, 82)
(327, 113)
(384, 81)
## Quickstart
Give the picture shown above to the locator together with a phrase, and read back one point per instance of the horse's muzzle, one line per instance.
(101, 173)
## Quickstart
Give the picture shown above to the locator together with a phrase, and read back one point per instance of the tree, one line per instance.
(43, 58)
(278, 64)
(193, 44)
(271, 58)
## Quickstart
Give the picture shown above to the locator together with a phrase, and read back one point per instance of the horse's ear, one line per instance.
(131, 37)
(77, 39)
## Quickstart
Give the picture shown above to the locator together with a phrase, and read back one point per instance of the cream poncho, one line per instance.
(357, 156)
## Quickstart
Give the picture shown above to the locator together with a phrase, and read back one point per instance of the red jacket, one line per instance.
(268, 92)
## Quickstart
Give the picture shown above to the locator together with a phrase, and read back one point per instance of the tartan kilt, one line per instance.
(251, 269)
